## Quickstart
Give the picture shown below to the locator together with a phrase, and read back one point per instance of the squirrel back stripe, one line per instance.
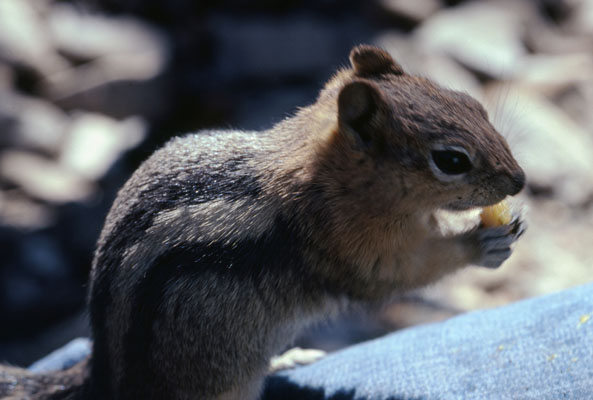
(238, 270)
(166, 212)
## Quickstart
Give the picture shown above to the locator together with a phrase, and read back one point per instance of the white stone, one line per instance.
(24, 38)
(118, 49)
(95, 142)
(552, 74)
(42, 178)
(36, 124)
(481, 35)
(417, 10)
(95, 35)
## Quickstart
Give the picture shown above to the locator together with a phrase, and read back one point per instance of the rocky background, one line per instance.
(89, 88)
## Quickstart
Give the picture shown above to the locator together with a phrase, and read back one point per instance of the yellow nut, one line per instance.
(496, 215)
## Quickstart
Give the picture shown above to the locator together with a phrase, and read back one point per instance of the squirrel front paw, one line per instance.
(495, 243)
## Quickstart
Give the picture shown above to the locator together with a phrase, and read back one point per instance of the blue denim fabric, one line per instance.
(539, 348)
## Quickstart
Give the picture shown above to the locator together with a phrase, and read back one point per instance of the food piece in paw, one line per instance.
(496, 215)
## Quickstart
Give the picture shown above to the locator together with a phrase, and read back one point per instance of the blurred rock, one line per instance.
(415, 11)
(95, 142)
(582, 17)
(481, 35)
(42, 178)
(557, 249)
(89, 36)
(402, 48)
(32, 123)
(542, 37)
(123, 58)
(273, 48)
(448, 73)
(577, 102)
(556, 153)
(6, 76)
(24, 39)
(550, 75)
(20, 212)
(100, 72)
(440, 68)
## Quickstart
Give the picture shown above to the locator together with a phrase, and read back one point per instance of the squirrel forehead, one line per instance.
(410, 93)
(431, 110)
(418, 108)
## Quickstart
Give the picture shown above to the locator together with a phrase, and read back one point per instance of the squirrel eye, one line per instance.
(451, 162)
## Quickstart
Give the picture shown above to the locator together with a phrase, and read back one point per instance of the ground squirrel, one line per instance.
(224, 244)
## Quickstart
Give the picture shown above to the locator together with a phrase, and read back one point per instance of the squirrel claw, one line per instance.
(496, 243)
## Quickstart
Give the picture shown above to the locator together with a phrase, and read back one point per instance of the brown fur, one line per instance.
(224, 245)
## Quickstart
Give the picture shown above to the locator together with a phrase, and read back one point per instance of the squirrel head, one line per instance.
(436, 145)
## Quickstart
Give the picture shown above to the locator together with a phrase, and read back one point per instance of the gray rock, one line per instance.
(24, 39)
(18, 211)
(542, 37)
(6, 76)
(438, 67)
(417, 10)
(121, 52)
(92, 35)
(481, 35)
(31, 123)
(42, 178)
(581, 20)
(95, 142)
(553, 74)
(577, 102)
(117, 67)
(41, 125)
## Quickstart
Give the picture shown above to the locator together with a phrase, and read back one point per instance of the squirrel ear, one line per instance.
(360, 107)
(370, 60)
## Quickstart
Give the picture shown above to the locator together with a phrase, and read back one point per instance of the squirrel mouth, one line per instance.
(468, 204)
(459, 206)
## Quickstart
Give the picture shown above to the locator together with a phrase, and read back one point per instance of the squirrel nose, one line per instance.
(517, 182)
